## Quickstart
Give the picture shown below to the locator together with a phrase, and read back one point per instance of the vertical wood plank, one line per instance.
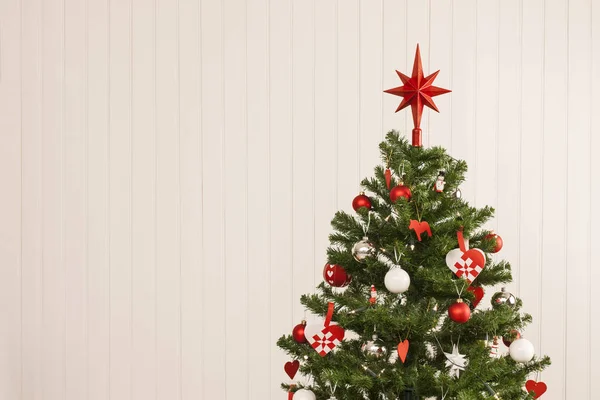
(98, 212)
(418, 32)
(191, 200)
(283, 296)
(236, 193)
(31, 202)
(10, 212)
(168, 275)
(440, 58)
(120, 197)
(348, 102)
(394, 58)
(371, 90)
(578, 200)
(486, 106)
(74, 199)
(395, 50)
(464, 31)
(213, 276)
(53, 325)
(259, 187)
(531, 162)
(593, 368)
(143, 200)
(554, 274)
(326, 152)
(508, 144)
(303, 136)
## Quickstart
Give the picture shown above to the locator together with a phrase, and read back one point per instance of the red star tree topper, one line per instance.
(417, 92)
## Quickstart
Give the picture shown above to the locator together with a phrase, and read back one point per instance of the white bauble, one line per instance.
(304, 394)
(397, 280)
(521, 350)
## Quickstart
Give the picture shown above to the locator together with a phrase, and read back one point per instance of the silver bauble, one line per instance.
(362, 249)
(503, 298)
(373, 347)
(457, 194)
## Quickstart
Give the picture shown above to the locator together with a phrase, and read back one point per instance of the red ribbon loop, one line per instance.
(329, 314)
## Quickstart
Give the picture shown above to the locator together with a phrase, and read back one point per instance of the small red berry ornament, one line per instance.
(400, 191)
(336, 276)
(298, 332)
(361, 201)
(499, 242)
(459, 312)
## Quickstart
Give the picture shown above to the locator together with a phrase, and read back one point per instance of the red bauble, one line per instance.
(459, 312)
(513, 335)
(361, 201)
(336, 275)
(499, 242)
(298, 332)
(400, 191)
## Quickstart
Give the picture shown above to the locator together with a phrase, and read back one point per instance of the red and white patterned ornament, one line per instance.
(465, 263)
(336, 275)
(324, 337)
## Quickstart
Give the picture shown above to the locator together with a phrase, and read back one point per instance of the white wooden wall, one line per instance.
(169, 169)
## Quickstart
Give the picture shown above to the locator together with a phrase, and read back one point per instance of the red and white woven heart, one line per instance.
(466, 264)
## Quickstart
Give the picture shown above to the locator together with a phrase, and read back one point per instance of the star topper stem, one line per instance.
(418, 91)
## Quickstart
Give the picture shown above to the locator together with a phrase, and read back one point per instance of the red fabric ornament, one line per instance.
(417, 92)
(499, 242)
(291, 368)
(419, 227)
(388, 178)
(361, 201)
(478, 292)
(324, 338)
(459, 312)
(465, 263)
(539, 388)
(400, 191)
(403, 349)
(336, 275)
(298, 333)
(514, 335)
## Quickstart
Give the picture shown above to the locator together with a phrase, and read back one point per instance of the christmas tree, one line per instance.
(402, 283)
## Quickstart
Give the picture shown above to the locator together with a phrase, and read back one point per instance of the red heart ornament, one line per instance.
(478, 292)
(291, 367)
(539, 388)
(324, 339)
(403, 350)
(467, 265)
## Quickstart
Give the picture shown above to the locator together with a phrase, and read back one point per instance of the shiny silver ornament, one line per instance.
(457, 194)
(363, 249)
(373, 348)
(503, 298)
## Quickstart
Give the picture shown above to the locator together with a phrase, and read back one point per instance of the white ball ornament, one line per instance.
(397, 280)
(521, 350)
(304, 394)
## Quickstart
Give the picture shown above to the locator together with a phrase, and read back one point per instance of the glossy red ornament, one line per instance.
(499, 242)
(417, 92)
(298, 332)
(400, 191)
(459, 312)
(361, 201)
(513, 335)
(336, 275)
